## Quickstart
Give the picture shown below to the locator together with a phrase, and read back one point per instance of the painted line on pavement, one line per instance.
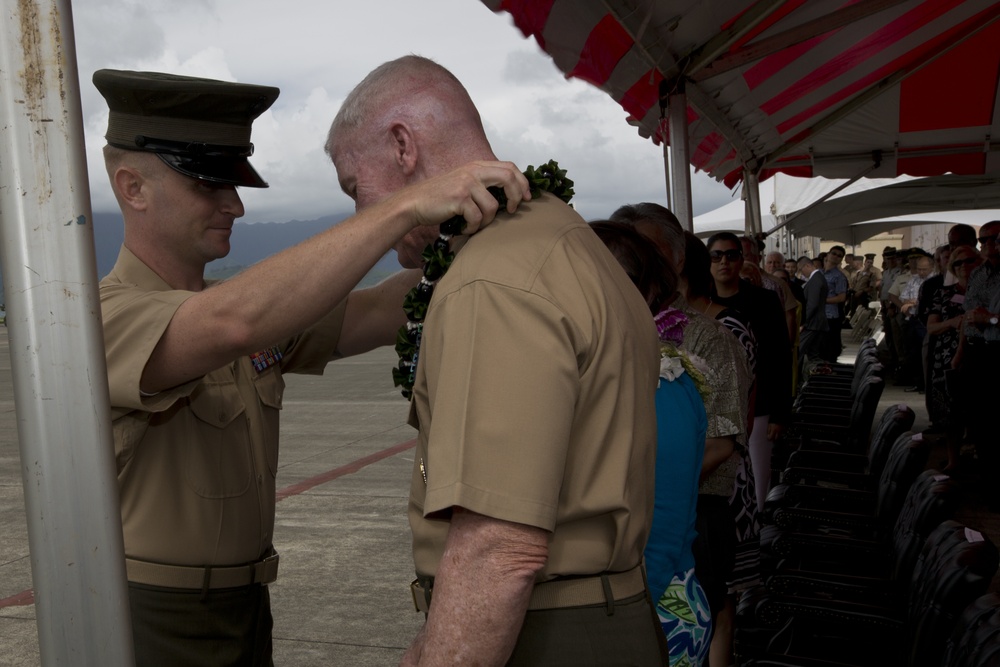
(28, 597)
(19, 600)
(352, 467)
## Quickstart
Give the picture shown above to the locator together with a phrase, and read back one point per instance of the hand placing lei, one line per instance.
(438, 257)
(674, 359)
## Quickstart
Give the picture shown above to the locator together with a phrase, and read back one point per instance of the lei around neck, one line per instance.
(674, 358)
(438, 256)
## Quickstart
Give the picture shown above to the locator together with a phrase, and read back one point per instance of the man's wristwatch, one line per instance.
(994, 320)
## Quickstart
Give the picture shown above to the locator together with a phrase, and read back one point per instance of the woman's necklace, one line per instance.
(438, 257)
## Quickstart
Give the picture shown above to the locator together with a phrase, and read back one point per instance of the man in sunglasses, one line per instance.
(981, 356)
(774, 372)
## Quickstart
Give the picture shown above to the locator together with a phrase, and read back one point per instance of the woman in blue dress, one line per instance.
(680, 412)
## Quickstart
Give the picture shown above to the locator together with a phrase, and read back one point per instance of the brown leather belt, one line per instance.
(559, 593)
(202, 578)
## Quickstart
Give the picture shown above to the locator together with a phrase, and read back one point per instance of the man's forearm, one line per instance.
(481, 592)
(717, 452)
(374, 314)
(284, 294)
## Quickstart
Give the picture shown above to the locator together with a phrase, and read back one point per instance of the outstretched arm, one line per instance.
(286, 293)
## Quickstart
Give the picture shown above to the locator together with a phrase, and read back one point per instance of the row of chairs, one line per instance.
(862, 560)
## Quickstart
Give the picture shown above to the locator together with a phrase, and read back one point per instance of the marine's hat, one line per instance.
(199, 127)
(869, 255)
(889, 251)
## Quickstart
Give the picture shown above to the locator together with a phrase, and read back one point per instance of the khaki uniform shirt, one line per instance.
(866, 279)
(899, 284)
(197, 463)
(534, 395)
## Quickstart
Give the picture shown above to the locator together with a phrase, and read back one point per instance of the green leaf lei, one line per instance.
(438, 257)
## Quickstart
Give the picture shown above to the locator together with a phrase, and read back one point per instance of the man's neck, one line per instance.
(726, 290)
(179, 276)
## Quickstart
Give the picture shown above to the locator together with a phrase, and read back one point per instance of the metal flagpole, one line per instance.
(57, 346)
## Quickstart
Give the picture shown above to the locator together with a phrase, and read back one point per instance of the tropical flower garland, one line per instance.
(674, 359)
(438, 257)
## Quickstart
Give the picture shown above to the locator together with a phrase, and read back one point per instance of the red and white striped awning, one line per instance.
(809, 88)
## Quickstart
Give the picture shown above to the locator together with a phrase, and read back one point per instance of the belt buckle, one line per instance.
(268, 570)
(421, 598)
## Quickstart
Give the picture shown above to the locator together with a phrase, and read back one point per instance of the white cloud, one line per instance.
(316, 51)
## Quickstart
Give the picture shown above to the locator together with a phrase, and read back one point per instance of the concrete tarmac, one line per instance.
(342, 594)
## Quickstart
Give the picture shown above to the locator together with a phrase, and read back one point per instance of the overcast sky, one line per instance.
(315, 51)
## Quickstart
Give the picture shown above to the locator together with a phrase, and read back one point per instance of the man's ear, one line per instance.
(404, 148)
(129, 184)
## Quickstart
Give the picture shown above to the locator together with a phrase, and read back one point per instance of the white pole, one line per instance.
(666, 171)
(680, 158)
(57, 346)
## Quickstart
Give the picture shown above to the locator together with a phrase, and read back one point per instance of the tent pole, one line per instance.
(680, 158)
(56, 345)
(666, 172)
(751, 195)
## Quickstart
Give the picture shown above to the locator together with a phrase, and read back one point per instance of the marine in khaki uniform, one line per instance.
(532, 490)
(195, 370)
(864, 282)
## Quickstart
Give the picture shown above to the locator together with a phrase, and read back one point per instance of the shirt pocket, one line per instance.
(270, 387)
(217, 454)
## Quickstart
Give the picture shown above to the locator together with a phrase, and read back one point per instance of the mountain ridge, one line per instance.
(250, 243)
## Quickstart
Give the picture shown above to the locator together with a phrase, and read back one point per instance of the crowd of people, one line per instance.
(939, 313)
(930, 322)
(595, 403)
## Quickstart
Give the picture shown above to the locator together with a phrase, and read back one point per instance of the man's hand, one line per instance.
(979, 317)
(464, 193)
(774, 431)
(481, 592)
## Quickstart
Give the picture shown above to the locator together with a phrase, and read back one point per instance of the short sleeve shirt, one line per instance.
(983, 292)
(196, 463)
(534, 394)
(728, 375)
(836, 283)
(888, 279)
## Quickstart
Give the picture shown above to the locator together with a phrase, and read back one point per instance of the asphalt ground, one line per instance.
(342, 594)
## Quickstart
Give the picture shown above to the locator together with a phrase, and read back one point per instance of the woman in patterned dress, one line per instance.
(944, 323)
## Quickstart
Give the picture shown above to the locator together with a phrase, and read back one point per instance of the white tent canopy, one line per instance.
(860, 209)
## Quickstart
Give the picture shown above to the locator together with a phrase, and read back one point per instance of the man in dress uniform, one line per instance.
(532, 489)
(195, 370)
(865, 281)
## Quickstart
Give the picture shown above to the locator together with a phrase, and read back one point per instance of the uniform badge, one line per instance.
(265, 358)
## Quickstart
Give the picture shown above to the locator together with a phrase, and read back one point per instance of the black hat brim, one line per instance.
(223, 170)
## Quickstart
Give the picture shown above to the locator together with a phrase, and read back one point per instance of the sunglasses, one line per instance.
(983, 240)
(963, 262)
(732, 255)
